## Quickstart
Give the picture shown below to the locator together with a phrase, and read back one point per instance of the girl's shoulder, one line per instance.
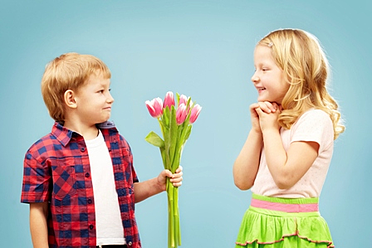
(315, 125)
(316, 112)
(315, 116)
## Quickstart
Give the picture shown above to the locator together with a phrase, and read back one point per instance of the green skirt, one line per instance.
(279, 222)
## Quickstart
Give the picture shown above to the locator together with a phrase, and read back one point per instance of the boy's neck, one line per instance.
(88, 132)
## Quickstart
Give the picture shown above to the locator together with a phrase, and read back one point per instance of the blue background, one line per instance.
(198, 48)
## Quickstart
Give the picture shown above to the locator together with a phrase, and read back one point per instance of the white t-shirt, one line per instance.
(109, 227)
(314, 125)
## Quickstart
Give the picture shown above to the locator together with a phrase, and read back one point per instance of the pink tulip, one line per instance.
(181, 114)
(169, 100)
(195, 111)
(183, 99)
(155, 107)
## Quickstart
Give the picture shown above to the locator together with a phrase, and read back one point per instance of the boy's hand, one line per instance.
(175, 179)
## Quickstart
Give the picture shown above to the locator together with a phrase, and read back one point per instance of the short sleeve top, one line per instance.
(313, 126)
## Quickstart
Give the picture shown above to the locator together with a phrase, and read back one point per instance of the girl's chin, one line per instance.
(263, 99)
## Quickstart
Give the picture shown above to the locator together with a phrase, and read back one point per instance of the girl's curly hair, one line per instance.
(300, 56)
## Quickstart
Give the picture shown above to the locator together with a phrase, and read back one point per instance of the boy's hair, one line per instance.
(70, 71)
(300, 56)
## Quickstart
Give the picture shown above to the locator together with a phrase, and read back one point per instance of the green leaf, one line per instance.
(188, 132)
(154, 139)
(173, 131)
(166, 116)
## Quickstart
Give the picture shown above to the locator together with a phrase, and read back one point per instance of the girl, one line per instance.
(286, 156)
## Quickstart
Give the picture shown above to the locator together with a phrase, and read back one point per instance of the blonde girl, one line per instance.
(286, 156)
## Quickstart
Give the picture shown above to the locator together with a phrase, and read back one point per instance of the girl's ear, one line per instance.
(69, 98)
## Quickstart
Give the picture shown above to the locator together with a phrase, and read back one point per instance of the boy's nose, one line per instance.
(110, 99)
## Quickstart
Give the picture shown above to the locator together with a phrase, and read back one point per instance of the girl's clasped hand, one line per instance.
(266, 114)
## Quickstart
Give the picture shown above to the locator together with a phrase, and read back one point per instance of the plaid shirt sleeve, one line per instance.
(36, 175)
(130, 155)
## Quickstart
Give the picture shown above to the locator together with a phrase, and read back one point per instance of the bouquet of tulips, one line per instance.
(175, 124)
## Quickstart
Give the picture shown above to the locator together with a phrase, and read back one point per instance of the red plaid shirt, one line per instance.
(57, 170)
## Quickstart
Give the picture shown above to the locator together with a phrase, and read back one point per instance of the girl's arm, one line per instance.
(246, 164)
(286, 167)
(38, 224)
(146, 189)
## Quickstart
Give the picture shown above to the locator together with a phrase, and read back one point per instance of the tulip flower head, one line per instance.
(183, 99)
(169, 100)
(181, 113)
(195, 111)
(155, 107)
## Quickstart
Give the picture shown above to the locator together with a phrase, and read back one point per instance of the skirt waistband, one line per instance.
(298, 205)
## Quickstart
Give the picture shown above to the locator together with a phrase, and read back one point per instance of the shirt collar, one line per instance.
(65, 135)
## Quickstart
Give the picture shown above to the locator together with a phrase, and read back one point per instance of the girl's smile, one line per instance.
(268, 78)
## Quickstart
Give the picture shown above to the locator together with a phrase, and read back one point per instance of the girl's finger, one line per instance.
(266, 107)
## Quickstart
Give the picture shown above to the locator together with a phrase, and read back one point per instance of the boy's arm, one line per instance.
(146, 189)
(38, 224)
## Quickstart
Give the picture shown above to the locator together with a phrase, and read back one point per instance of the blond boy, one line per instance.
(79, 179)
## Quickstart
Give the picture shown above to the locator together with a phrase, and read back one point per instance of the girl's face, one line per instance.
(268, 78)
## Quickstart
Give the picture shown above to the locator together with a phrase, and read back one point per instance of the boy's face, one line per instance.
(94, 100)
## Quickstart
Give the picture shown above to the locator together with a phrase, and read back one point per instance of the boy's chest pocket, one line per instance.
(64, 177)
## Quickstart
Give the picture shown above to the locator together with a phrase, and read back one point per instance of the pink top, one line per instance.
(314, 125)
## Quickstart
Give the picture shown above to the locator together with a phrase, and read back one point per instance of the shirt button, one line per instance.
(90, 201)
(91, 227)
(130, 243)
(87, 175)
(82, 149)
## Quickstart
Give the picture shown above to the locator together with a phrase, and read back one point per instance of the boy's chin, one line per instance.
(103, 120)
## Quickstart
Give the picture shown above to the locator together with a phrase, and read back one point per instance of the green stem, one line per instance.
(171, 227)
(174, 232)
(177, 218)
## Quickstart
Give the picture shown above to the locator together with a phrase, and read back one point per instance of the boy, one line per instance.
(79, 179)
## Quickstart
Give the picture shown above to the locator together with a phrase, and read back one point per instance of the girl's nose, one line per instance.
(255, 78)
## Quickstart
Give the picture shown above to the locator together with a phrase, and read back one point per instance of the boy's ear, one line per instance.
(69, 98)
